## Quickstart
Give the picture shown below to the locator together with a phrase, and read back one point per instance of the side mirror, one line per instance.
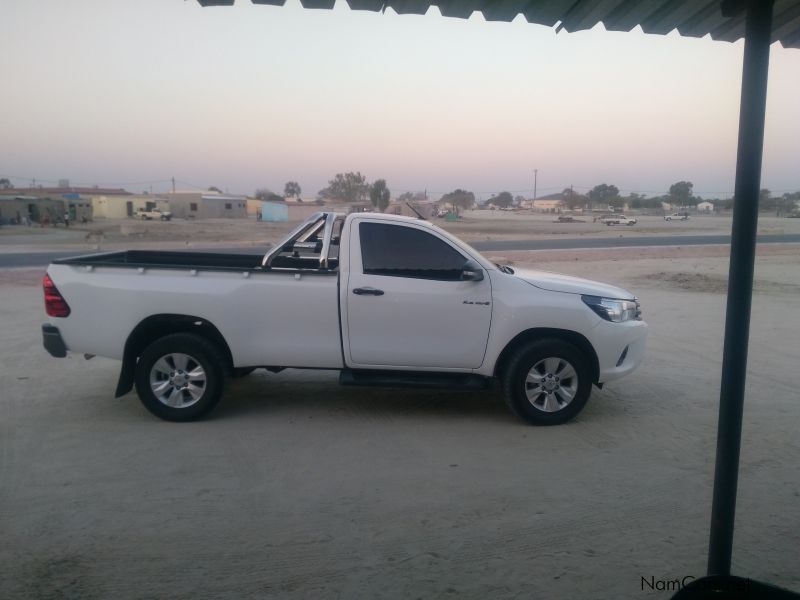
(471, 271)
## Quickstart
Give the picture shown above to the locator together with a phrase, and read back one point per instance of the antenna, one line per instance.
(419, 216)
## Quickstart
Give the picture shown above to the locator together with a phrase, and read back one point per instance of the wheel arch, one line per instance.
(157, 326)
(538, 333)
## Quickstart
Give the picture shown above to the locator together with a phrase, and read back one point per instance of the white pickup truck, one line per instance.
(148, 214)
(384, 300)
(617, 219)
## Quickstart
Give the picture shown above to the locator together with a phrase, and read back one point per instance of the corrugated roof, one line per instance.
(693, 18)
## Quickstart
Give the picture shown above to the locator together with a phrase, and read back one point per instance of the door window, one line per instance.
(397, 251)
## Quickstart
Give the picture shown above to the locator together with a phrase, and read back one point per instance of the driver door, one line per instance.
(406, 303)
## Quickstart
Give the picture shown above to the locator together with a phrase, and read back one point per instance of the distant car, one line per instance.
(617, 220)
(677, 217)
(567, 219)
(149, 215)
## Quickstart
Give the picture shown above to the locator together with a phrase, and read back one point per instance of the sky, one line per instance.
(131, 93)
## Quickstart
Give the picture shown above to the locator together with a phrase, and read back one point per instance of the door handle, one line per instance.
(367, 291)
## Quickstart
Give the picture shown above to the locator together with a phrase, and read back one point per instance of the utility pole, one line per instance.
(535, 177)
(173, 185)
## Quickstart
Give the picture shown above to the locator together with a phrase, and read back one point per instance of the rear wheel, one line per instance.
(548, 382)
(180, 377)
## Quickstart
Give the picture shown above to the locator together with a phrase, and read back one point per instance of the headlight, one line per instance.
(614, 310)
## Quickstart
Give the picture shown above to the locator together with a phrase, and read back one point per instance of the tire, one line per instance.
(550, 359)
(240, 372)
(668, 218)
(193, 363)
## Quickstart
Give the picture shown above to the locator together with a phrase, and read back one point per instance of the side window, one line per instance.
(398, 251)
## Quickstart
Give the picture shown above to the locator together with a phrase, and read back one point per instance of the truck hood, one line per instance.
(556, 282)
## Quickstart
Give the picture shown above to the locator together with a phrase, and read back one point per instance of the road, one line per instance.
(36, 259)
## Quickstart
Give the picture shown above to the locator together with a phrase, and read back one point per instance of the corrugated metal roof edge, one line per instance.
(662, 16)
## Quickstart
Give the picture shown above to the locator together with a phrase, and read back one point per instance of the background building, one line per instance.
(15, 208)
(292, 210)
(204, 205)
(122, 207)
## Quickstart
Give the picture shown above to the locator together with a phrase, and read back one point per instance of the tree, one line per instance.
(617, 202)
(681, 193)
(459, 199)
(640, 201)
(268, 195)
(788, 203)
(635, 200)
(405, 197)
(502, 200)
(518, 200)
(350, 187)
(292, 190)
(573, 199)
(5, 184)
(603, 194)
(766, 201)
(214, 188)
(412, 197)
(379, 194)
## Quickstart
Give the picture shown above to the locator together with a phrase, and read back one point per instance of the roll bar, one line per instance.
(310, 227)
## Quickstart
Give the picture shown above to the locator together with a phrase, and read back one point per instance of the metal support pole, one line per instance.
(758, 31)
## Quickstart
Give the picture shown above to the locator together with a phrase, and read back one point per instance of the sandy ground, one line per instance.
(298, 488)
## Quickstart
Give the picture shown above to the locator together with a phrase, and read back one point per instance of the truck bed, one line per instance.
(165, 259)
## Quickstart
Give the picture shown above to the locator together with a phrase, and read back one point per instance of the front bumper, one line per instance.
(620, 348)
(53, 342)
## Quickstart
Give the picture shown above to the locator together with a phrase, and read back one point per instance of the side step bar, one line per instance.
(414, 379)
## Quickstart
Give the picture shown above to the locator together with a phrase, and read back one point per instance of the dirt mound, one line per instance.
(691, 282)
(710, 284)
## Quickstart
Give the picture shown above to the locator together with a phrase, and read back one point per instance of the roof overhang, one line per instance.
(722, 20)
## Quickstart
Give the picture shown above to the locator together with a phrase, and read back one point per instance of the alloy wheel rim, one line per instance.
(551, 384)
(178, 380)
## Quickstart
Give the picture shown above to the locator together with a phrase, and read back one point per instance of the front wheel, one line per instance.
(180, 377)
(548, 383)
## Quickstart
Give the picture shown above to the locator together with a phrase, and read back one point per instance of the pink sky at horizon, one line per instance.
(117, 92)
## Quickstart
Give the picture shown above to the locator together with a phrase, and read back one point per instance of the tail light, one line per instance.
(54, 302)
